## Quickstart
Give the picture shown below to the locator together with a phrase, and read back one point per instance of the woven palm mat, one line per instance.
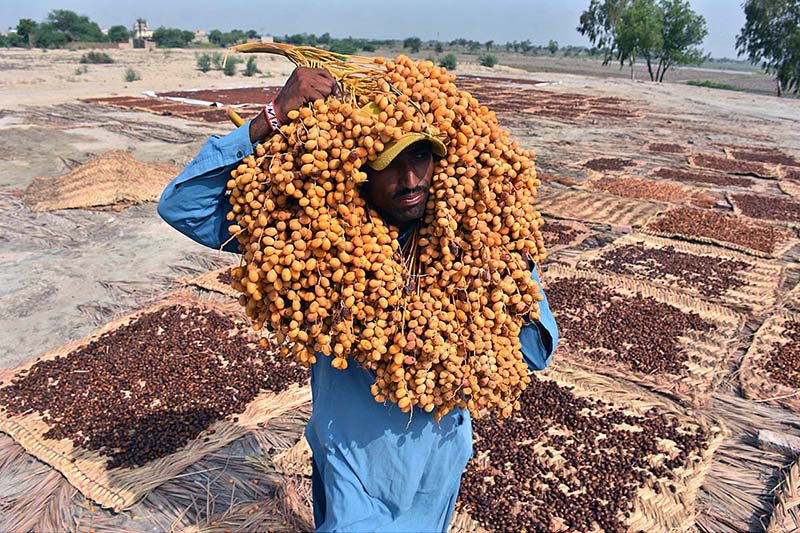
(563, 234)
(129, 407)
(737, 495)
(217, 280)
(665, 340)
(770, 208)
(791, 300)
(594, 207)
(734, 166)
(790, 187)
(651, 190)
(786, 513)
(234, 488)
(112, 179)
(708, 272)
(588, 453)
(771, 371)
(722, 229)
(294, 461)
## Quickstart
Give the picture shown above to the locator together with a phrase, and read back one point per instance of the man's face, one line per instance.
(399, 191)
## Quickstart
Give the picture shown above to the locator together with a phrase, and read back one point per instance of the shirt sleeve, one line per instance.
(539, 337)
(195, 203)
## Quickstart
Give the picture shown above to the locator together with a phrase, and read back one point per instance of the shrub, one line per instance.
(216, 60)
(251, 68)
(132, 75)
(231, 65)
(448, 61)
(204, 62)
(83, 69)
(713, 85)
(96, 58)
(343, 46)
(489, 60)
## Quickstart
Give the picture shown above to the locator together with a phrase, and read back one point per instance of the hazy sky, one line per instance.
(498, 20)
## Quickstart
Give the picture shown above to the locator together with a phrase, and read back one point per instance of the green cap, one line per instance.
(393, 148)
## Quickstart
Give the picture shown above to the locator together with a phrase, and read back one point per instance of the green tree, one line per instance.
(488, 45)
(343, 46)
(12, 40)
(473, 46)
(215, 37)
(552, 46)
(26, 28)
(639, 34)
(172, 37)
(48, 37)
(229, 38)
(75, 27)
(438, 48)
(599, 23)
(414, 43)
(662, 32)
(118, 34)
(683, 31)
(771, 38)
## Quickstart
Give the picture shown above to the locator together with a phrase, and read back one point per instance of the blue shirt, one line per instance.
(375, 468)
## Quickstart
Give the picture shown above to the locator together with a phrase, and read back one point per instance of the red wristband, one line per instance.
(272, 116)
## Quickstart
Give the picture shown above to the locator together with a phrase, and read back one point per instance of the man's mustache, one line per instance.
(405, 192)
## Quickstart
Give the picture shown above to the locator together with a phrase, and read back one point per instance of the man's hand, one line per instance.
(304, 85)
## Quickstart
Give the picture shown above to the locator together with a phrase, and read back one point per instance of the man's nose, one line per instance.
(408, 177)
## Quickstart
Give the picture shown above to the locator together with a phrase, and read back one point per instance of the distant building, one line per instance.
(142, 34)
(266, 39)
(200, 36)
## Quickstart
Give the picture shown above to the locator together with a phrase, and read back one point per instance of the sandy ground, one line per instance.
(64, 273)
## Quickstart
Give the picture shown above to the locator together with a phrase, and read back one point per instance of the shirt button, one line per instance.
(239, 153)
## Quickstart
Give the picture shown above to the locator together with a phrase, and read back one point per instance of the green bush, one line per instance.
(96, 58)
(251, 69)
(231, 65)
(132, 75)
(216, 60)
(343, 46)
(82, 70)
(489, 60)
(713, 85)
(204, 62)
(448, 61)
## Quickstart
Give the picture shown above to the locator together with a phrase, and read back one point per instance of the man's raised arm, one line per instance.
(195, 203)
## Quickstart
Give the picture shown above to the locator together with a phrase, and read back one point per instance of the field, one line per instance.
(682, 202)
